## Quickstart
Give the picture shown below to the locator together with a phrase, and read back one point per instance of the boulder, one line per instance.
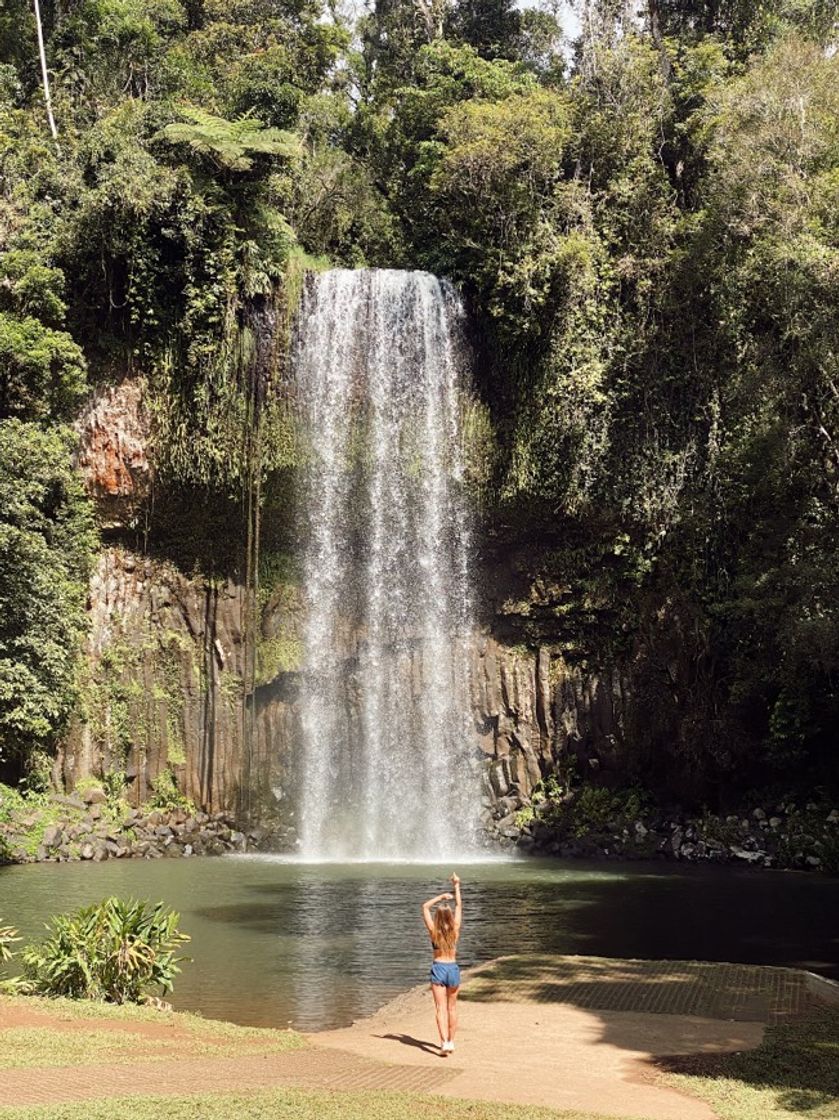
(746, 855)
(72, 802)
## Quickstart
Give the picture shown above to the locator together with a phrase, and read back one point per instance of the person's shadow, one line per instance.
(407, 1040)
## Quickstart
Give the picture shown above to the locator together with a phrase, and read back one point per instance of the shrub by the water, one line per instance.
(118, 951)
(8, 936)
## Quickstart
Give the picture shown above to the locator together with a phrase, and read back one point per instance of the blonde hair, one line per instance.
(445, 933)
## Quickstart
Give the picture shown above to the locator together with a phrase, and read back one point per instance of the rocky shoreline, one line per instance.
(785, 837)
(79, 827)
(88, 826)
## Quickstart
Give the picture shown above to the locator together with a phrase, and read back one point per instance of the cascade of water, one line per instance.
(386, 760)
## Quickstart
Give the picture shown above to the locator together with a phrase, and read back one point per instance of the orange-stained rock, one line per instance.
(113, 452)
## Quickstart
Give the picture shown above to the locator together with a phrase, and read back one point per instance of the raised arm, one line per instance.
(426, 909)
(458, 905)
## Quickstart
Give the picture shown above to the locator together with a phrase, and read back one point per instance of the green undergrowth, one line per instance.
(279, 605)
(293, 1104)
(119, 708)
(794, 1073)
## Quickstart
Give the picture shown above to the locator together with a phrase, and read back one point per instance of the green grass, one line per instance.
(26, 1047)
(291, 1104)
(191, 1036)
(792, 1075)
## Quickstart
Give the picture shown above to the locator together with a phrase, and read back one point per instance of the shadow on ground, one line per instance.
(663, 1008)
(796, 1069)
(738, 992)
(409, 1040)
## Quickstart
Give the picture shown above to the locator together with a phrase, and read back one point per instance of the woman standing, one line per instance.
(444, 930)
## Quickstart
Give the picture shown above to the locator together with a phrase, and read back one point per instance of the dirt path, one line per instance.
(565, 1032)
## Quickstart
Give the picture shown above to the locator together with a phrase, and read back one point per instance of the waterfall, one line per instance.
(387, 767)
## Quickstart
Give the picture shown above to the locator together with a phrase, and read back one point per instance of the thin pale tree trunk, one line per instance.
(44, 74)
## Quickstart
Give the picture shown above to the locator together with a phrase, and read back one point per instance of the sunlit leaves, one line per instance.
(46, 542)
(118, 951)
(232, 145)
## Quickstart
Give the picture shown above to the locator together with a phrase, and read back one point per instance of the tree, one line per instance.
(42, 371)
(46, 544)
(44, 73)
(231, 145)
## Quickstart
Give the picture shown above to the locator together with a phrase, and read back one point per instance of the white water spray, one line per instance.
(388, 743)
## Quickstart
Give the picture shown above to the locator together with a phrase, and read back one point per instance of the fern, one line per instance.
(229, 144)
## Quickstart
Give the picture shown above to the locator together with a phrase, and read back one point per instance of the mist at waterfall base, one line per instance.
(388, 765)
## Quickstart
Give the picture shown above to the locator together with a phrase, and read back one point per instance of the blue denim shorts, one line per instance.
(446, 973)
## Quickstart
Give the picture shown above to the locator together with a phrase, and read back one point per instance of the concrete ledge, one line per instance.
(820, 988)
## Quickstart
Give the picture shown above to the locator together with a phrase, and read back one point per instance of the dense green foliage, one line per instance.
(46, 539)
(115, 951)
(644, 223)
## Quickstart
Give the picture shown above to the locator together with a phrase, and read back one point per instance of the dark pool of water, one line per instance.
(316, 946)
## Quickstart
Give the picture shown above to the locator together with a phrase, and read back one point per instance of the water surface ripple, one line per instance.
(318, 945)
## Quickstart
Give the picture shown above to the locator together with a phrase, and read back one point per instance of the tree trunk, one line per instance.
(44, 74)
(658, 39)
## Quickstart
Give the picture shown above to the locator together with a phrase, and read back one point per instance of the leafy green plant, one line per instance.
(47, 538)
(597, 809)
(229, 144)
(38, 776)
(166, 795)
(117, 951)
(8, 937)
(113, 783)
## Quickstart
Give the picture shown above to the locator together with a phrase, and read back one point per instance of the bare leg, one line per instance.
(451, 1007)
(441, 1011)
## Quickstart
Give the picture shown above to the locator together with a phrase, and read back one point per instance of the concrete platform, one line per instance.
(583, 1032)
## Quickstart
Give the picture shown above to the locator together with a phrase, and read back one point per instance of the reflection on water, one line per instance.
(317, 946)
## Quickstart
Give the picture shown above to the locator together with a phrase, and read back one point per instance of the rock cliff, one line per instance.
(191, 675)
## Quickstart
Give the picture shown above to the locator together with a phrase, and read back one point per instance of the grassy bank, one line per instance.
(294, 1104)
(794, 1073)
(50, 1033)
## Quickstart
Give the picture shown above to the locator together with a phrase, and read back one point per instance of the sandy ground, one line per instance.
(516, 1042)
(548, 1054)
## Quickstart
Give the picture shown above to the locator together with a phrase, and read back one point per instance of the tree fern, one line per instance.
(229, 144)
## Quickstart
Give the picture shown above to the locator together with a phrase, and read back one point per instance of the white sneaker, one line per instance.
(448, 1047)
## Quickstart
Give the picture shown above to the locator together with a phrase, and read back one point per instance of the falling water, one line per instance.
(387, 767)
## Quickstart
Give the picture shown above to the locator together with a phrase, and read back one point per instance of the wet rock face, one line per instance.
(535, 713)
(113, 456)
(164, 691)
